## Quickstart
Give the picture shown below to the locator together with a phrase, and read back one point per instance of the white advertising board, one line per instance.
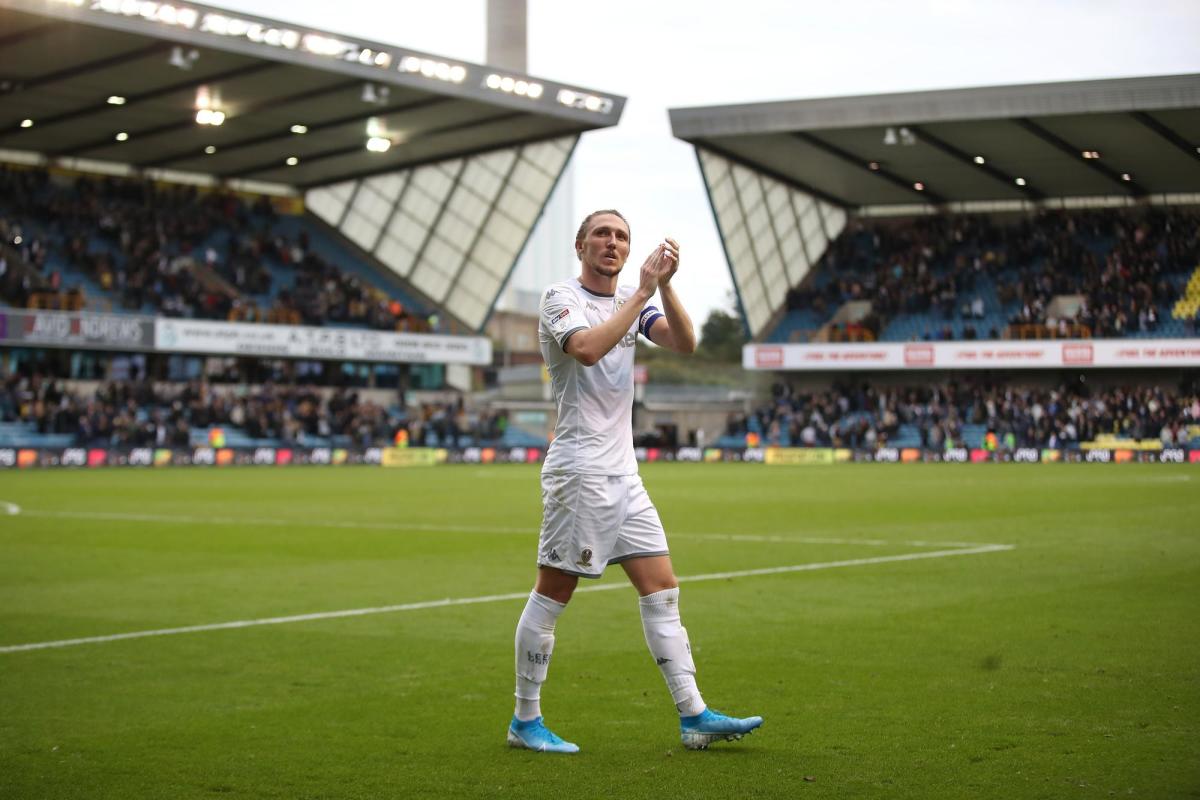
(1028, 354)
(296, 341)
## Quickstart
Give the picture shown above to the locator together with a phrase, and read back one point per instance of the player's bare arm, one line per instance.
(674, 329)
(589, 346)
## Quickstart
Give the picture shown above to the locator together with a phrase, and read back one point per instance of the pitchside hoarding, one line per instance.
(147, 457)
(87, 331)
(1031, 354)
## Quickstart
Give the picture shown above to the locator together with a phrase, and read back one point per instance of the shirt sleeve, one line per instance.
(646, 320)
(562, 315)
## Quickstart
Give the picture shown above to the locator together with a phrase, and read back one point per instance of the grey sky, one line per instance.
(669, 53)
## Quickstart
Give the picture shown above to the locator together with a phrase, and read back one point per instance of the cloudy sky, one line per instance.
(671, 53)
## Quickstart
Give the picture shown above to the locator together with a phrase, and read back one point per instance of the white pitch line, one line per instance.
(12, 509)
(495, 598)
(184, 519)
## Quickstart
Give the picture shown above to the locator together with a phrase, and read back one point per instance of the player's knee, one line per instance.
(555, 584)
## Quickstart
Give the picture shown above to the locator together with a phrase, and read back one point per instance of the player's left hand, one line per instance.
(670, 262)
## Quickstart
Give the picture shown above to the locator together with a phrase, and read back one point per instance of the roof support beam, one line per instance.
(447, 156)
(103, 105)
(968, 159)
(188, 123)
(927, 195)
(31, 32)
(1126, 187)
(315, 128)
(341, 151)
(787, 180)
(1167, 133)
(91, 67)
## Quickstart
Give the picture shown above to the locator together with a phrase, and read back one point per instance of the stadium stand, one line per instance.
(1054, 274)
(1055, 210)
(965, 414)
(39, 411)
(123, 245)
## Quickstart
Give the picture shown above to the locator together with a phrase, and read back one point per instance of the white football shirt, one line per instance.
(594, 434)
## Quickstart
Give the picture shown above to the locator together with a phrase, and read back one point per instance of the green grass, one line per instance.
(1066, 667)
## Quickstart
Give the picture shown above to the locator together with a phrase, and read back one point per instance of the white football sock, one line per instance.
(668, 642)
(534, 644)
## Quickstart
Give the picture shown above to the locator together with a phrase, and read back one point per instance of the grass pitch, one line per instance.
(1067, 666)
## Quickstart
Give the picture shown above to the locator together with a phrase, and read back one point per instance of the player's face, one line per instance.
(606, 245)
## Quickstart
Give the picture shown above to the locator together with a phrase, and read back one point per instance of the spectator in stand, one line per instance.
(151, 245)
(1117, 259)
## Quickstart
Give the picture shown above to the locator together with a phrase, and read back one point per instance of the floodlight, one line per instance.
(378, 144)
(26, 123)
(181, 60)
(300, 129)
(116, 100)
(122, 136)
(1019, 181)
(292, 161)
(375, 94)
(210, 149)
(889, 137)
(980, 160)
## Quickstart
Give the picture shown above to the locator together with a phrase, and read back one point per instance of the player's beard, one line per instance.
(608, 269)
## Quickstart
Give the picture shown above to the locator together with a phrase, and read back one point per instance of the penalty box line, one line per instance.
(495, 598)
(12, 509)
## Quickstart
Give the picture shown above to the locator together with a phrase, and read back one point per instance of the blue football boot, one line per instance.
(534, 735)
(710, 726)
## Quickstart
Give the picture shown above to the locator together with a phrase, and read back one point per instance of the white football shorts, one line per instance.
(591, 521)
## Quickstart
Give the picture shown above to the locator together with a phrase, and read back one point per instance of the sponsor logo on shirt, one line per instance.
(561, 320)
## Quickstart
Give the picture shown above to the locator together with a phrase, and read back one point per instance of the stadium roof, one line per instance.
(1124, 137)
(123, 81)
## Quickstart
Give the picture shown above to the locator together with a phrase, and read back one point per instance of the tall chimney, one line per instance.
(506, 37)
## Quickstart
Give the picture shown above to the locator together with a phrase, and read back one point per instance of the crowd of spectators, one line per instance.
(1118, 260)
(145, 242)
(869, 416)
(139, 413)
